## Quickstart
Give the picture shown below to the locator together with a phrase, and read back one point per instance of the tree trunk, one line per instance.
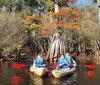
(56, 6)
(97, 57)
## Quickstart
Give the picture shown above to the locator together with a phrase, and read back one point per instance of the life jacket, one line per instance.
(39, 61)
(63, 62)
(69, 59)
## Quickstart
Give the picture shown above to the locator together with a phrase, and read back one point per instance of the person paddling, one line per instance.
(39, 62)
(63, 63)
(70, 60)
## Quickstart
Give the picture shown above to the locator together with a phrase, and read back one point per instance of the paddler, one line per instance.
(70, 60)
(63, 63)
(39, 62)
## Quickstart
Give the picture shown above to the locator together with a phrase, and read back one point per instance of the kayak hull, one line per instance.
(38, 71)
(62, 73)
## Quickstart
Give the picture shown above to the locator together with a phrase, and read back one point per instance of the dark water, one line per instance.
(13, 76)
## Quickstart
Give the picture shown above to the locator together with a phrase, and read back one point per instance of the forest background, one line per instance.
(27, 26)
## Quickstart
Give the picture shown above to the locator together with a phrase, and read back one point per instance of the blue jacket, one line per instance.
(69, 59)
(63, 62)
(39, 62)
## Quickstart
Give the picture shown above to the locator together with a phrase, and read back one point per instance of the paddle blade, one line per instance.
(20, 66)
(53, 64)
(90, 66)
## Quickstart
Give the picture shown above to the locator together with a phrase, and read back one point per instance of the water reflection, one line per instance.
(14, 76)
(36, 80)
(90, 73)
(15, 80)
(68, 80)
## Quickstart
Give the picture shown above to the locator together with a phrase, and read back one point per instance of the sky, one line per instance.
(84, 2)
(81, 3)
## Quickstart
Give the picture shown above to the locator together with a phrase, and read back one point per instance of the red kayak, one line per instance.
(20, 66)
(90, 66)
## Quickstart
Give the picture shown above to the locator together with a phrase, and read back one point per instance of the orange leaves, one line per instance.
(63, 24)
(63, 17)
(66, 13)
(46, 32)
(43, 31)
(74, 27)
(66, 19)
(73, 1)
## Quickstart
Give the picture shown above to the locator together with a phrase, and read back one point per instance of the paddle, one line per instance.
(87, 66)
(56, 65)
(40, 65)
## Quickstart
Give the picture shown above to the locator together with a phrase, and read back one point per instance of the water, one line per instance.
(13, 76)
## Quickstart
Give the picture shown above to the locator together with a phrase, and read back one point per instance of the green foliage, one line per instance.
(27, 11)
(12, 33)
(6, 2)
(23, 4)
(32, 2)
(49, 5)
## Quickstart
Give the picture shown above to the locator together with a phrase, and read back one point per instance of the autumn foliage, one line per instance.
(66, 19)
(73, 1)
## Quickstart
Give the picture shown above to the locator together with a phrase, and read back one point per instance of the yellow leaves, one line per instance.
(36, 17)
(29, 22)
(32, 26)
(50, 5)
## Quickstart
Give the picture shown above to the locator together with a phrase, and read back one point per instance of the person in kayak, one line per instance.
(70, 60)
(63, 63)
(39, 62)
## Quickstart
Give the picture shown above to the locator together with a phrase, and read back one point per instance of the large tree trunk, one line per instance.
(57, 46)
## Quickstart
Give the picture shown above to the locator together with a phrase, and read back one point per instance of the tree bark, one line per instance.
(56, 6)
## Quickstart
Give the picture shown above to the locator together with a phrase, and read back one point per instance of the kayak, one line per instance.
(90, 66)
(38, 71)
(19, 66)
(63, 72)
